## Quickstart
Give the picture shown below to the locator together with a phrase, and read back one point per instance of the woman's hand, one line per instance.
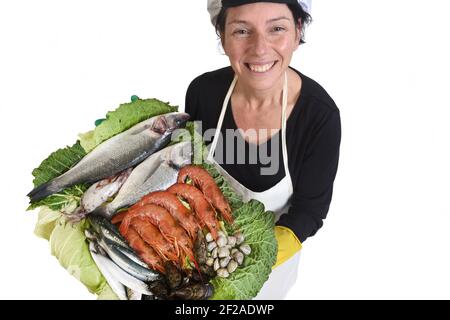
(288, 244)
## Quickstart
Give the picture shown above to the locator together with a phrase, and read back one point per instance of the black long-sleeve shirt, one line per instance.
(313, 135)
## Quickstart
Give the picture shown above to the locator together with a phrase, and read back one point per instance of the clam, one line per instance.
(224, 262)
(214, 252)
(221, 241)
(210, 262)
(238, 257)
(245, 248)
(239, 238)
(223, 273)
(216, 265)
(223, 252)
(232, 266)
(232, 241)
(211, 246)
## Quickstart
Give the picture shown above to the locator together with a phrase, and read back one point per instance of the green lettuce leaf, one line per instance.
(57, 163)
(46, 222)
(123, 118)
(68, 244)
(66, 200)
(258, 227)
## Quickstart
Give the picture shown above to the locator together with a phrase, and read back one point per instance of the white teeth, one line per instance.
(261, 68)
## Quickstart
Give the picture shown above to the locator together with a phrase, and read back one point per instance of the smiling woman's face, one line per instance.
(259, 39)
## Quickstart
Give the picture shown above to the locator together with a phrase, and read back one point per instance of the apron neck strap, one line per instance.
(283, 125)
(222, 115)
(283, 133)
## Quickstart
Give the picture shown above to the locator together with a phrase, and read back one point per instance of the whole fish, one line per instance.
(106, 229)
(97, 194)
(116, 254)
(157, 172)
(110, 270)
(117, 287)
(116, 154)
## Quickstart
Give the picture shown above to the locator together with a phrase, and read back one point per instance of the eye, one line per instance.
(278, 29)
(240, 32)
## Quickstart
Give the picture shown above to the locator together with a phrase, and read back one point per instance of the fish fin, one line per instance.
(43, 191)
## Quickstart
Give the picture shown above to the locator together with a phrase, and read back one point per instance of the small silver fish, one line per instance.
(97, 194)
(117, 287)
(115, 275)
(116, 154)
(115, 251)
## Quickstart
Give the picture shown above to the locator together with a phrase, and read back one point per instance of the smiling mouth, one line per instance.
(261, 68)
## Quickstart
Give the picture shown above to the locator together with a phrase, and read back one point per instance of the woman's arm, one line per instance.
(313, 187)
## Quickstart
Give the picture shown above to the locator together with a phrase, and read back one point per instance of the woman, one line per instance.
(283, 110)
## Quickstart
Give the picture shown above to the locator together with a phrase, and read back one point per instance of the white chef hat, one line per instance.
(214, 6)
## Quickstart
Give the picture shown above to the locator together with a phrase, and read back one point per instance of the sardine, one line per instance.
(117, 287)
(158, 172)
(121, 256)
(124, 278)
(116, 154)
(106, 229)
(115, 252)
(110, 270)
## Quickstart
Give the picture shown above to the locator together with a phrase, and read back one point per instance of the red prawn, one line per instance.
(203, 180)
(172, 204)
(151, 235)
(168, 226)
(147, 254)
(205, 213)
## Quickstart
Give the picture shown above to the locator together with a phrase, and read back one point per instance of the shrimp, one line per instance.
(151, 235)
(199, 205)
(147, 254)
(172, 204)
(202, 180)
(168, 227)
(119, 217)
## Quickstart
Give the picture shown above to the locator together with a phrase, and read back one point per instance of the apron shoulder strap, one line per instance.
(222, 115)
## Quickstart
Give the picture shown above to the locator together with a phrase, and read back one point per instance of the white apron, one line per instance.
(276, 199)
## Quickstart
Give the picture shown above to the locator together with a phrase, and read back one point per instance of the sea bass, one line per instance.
(157, 172)
(116, 154)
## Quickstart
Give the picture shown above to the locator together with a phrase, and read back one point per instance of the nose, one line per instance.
(260, 44)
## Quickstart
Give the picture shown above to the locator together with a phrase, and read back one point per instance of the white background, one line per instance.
(63, 64)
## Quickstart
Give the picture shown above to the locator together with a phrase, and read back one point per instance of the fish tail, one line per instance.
(44, 190)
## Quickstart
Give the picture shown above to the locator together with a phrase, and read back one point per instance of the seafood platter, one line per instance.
(129, 213)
